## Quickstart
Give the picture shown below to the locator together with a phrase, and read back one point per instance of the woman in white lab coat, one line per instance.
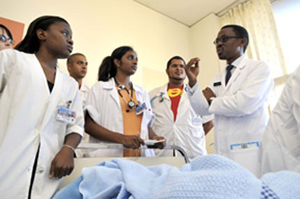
(281, 140)
(41, 117)
(117, 110)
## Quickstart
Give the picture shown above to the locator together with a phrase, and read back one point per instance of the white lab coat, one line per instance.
(27, 119)
(103, 105)
(240, 109)
(187, 131)
(84, 91)
(281, 141)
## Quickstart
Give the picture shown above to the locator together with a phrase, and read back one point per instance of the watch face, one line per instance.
(131, 104)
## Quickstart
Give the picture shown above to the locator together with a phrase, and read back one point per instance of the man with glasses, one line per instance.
(238, 97)
(6, 39)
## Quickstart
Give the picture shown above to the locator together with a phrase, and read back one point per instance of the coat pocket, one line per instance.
(249, 158)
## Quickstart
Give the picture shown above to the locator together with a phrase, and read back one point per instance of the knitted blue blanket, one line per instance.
(206, 177)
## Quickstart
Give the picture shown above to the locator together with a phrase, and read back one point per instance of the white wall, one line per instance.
(103, 25)
(202, 36)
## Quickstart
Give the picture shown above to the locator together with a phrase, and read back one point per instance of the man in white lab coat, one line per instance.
(238, 97)
(77, 67)
(281, 140)
(174, 117)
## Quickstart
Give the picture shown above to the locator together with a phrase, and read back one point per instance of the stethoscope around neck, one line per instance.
(131, 104)
(161, 98)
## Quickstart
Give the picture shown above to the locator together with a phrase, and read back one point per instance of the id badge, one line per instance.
(197, 121)
(66, 115)
(246, 145)
(140, 108)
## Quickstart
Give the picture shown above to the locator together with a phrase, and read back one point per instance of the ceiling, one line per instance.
(189, 12)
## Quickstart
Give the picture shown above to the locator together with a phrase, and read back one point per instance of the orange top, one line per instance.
(131, 122)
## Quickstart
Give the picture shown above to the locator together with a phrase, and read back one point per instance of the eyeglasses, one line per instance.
(4, 39)
(225, 38)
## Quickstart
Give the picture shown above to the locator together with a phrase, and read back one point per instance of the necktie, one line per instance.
(228, 73)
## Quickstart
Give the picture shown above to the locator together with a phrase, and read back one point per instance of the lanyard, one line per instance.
(131, 104)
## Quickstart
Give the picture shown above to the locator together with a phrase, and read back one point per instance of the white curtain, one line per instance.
(257, 17)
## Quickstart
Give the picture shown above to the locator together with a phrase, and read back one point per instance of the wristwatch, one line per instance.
(210, 100)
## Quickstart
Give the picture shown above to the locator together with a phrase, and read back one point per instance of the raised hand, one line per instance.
(192, 70)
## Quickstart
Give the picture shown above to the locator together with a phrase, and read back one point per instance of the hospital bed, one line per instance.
(83, 162)
(210, 176)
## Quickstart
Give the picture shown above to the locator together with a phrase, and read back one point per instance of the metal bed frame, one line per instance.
(80, 163)
(120, 146)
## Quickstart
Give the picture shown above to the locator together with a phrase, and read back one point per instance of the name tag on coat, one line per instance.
(217, 84)
(66, 115)
(140, 108)
(197, 121)
(244, 145)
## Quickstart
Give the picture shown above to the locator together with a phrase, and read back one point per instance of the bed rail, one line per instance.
(120, 146)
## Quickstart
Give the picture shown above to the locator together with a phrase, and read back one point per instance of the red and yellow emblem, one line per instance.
(174, 92)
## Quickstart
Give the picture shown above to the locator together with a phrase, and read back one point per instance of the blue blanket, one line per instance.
(209, 176)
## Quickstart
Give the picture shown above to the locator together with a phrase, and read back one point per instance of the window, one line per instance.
(287, 16)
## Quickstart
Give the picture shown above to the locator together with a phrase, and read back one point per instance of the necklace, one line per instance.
(131, 104)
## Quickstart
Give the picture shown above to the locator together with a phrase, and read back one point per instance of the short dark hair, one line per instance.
(175, 57)
(30, 43)
(239, 31)
(107, 69)
(70, 58)
(7, 30)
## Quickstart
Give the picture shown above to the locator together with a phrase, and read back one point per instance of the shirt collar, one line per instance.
(237, 62)
(110, 84)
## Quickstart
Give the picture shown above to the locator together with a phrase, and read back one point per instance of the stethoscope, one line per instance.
(161, 98)
(139, 107)
(131, 104)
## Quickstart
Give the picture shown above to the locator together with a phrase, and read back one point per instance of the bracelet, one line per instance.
(70, 148)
